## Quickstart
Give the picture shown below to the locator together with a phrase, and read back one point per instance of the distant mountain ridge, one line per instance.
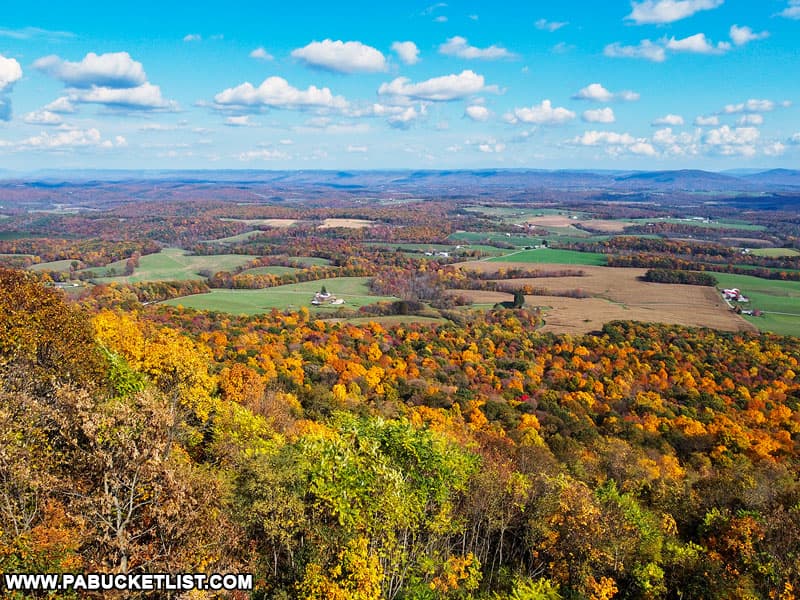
(685, 180)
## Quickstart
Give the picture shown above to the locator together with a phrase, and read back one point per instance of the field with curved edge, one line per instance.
(353, 290)
(173, 264)
(614, 294)
(780, 301)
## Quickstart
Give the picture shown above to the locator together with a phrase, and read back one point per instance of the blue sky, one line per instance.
(650, 84)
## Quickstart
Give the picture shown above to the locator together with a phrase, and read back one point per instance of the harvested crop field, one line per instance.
(604, 225)
(347, 223)
(616, 293)
(552, 221)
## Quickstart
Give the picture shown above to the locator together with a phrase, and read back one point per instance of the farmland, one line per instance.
(779, 300)
(175, 264)
(353, 290)
(56, 265)
(554, 256)
(775, 252)
(613, 294)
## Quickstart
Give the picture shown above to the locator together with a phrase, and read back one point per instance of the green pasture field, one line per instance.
(722, 224)
(554, 256)
(771, 296)
(273, 270)
(308, 261)
(774, 252)
(514, 214)
(241, 237)
(60, 266)
(173, 264)
(780, 324)
(353, 290)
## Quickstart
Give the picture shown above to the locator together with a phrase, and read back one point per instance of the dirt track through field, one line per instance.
(617, 293)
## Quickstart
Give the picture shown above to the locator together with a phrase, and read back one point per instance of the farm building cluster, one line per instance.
(325, 297)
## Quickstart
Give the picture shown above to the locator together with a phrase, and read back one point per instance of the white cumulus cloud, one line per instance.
(702, 121)
(276, 92)
(261, 54)
(550, 26)
(406, 118)
(744, 35)
(774, 149)
(673, 120)
(42, 117)
(541, 114)
(597, 93)
(596, 138)
(113, 70)
(645, 49)
(444, 88)
(599, 115)
(146, 96)
(407, 52)
(477, 112)
(68, 139)
(10, 72)
(192, 37)
(343, 57)
(642, 148)
(750, 106)
(61, 105)
(679, 144)
(751, 119)
(491, 147)
(728, 136)
(792, 11)
(668, 11)
(240, 121)
(697, 44)
(458, 46)
(616, 143)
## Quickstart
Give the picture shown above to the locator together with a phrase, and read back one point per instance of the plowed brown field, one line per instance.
(595, 224)
(617, 294)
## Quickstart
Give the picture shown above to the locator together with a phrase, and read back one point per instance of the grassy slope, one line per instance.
(173, 264)
(273, 270)
(770, 296)
(61, 266)
(774, 252)
(555, 256)
(353, 290)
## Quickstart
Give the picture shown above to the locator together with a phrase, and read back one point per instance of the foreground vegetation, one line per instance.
(445, 461)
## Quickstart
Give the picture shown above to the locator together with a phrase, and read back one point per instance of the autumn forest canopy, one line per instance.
(369, 392)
